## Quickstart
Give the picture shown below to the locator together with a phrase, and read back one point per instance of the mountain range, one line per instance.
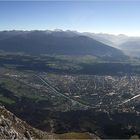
(59, 42)
(56, 43)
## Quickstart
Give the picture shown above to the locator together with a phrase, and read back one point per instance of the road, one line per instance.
(47, 82)
(130, 99)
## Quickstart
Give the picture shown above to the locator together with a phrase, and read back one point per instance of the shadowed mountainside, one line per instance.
(56, 43)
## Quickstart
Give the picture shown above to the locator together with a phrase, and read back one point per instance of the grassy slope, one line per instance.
(76, 135)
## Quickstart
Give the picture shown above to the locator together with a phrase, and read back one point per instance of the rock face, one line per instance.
(12, 127)
(7, 131)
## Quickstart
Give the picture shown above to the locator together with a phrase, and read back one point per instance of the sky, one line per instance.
(112, 16)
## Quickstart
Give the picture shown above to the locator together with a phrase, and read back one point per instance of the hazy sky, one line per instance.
(115, 17)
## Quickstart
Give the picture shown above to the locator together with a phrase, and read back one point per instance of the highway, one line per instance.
(47, 83)
(130, 99)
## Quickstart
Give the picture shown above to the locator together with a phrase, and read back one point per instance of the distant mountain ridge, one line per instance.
(129, 45)
(55, 43)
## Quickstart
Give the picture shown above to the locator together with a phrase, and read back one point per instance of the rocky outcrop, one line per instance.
(12, 127)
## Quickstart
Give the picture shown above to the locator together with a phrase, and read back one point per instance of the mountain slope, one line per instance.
(12, 127)
(57, 43)
(108, 39)
(129, 45)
